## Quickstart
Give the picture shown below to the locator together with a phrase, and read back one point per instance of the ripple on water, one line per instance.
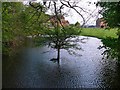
(33, 68)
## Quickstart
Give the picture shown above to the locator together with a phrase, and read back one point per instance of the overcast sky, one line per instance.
(90, 17)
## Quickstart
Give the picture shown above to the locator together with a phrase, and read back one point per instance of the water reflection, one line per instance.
(33, 68)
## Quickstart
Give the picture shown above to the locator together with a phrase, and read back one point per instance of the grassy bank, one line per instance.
(99, 33)
(109, 39)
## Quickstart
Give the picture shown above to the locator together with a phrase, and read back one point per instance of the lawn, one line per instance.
(99, 33)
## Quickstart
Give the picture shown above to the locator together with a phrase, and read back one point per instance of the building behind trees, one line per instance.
(101, 23)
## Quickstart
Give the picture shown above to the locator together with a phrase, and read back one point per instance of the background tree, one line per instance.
(77, 24)
(59, 37)
(13, 20)
(22, 20)
(111, 13)
(36, 19)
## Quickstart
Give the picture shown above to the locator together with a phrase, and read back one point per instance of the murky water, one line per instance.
(32, 68)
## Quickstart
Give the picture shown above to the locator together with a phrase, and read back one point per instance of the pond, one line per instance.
(32, 68)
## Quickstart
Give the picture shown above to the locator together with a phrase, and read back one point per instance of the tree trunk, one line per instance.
(58, 55)
(119, 39)
(118, 35)
(118, 50)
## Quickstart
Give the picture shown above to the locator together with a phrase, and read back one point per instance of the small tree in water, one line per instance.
(60, 36)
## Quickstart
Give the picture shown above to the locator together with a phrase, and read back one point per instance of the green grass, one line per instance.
(99, 33)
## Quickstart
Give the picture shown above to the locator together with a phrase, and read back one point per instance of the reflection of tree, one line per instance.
(112, 48)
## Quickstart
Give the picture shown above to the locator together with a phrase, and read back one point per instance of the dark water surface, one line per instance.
(32, 68)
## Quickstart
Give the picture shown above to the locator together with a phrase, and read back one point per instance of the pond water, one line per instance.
(32, 68)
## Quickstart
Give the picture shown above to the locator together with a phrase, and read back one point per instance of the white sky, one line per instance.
(90, 17)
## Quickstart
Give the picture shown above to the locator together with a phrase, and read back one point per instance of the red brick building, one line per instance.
(61, 22)
(101, 23)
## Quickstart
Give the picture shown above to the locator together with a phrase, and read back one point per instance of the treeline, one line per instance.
(18, 21)
(12, 26)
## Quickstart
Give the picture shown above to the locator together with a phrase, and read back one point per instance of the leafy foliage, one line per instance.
(111, 48)
(23, 20)
(13, 18)
(77, 24)
(58, 36)
(111, 12)
(62, 38)
(36, 20)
